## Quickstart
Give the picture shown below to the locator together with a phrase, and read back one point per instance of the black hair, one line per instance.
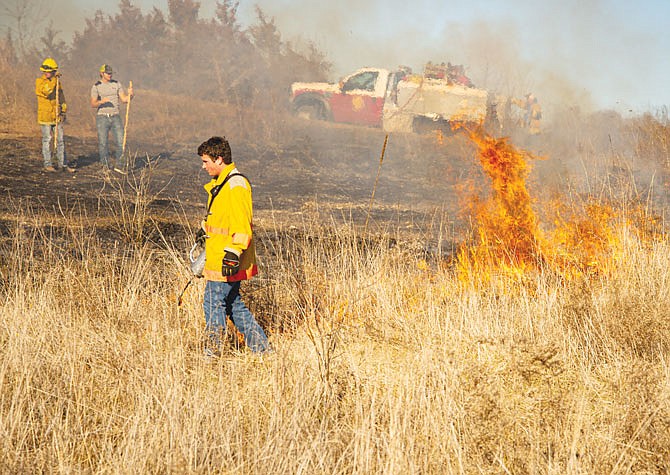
(216, 147)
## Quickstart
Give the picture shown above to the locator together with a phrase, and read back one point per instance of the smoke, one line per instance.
(592, 54)
(66, 17)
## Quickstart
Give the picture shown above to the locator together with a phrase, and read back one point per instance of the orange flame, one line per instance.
(507, 238)
(508, 235)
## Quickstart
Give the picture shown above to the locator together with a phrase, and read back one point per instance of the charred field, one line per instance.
(334, 171)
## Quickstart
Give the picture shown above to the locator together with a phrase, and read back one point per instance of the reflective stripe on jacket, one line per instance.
(45, 89)
(228, 227)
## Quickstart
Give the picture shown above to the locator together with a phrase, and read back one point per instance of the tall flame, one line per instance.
(507, 232)
(508, 238)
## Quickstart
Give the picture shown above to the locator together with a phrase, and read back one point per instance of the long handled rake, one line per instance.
(180, 299)
(125, 127)
(57, 114)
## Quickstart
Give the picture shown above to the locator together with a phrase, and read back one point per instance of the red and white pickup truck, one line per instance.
(393, 100)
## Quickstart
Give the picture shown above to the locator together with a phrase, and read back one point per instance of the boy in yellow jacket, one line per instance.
(229, 247)
(51, 109)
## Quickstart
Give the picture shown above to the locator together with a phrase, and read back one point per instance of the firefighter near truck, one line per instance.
(397, 100)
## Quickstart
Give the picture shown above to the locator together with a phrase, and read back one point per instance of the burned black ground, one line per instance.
(334, 172)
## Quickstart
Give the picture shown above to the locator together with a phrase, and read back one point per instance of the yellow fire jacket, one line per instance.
(45, 89)
(532, 114)
(535, 115)
(229, 227)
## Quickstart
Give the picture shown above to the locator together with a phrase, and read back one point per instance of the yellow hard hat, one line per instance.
(48, 65)
(106, 68)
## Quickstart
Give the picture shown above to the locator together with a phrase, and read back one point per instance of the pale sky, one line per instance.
(603, 54)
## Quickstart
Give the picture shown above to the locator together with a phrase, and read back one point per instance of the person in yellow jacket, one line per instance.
(229, 248)
(51, 109)
(532, 113)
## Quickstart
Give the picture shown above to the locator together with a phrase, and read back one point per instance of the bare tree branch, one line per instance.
(24, 20)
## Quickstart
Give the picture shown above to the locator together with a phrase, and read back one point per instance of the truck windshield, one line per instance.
(364, 81)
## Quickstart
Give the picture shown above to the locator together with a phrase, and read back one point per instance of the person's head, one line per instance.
(215, 154)
(106, 72)
(49, 67)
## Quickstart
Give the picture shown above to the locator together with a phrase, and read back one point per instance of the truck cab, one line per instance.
(361, 97)
(357, 99)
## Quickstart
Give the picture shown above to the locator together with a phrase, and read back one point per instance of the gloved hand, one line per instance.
(200, 236)
(231, 264)
(63, 108)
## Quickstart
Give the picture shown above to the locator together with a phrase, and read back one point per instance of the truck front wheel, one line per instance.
(311, 111)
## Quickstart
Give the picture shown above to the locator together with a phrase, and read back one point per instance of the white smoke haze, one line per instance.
(597, 54)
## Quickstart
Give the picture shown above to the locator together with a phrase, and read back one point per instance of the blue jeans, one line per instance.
(223, 298)
(104, 124)
(47, 140)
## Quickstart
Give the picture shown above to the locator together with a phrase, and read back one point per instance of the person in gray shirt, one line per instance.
(106, 95)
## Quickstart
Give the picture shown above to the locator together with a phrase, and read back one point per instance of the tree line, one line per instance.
(178, 52)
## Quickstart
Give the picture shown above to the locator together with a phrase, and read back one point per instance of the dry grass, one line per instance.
(380, 366)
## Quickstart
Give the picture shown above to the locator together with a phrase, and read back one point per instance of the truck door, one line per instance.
(360, 100)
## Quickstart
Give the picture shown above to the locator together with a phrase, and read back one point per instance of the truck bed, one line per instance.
(439, 100)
